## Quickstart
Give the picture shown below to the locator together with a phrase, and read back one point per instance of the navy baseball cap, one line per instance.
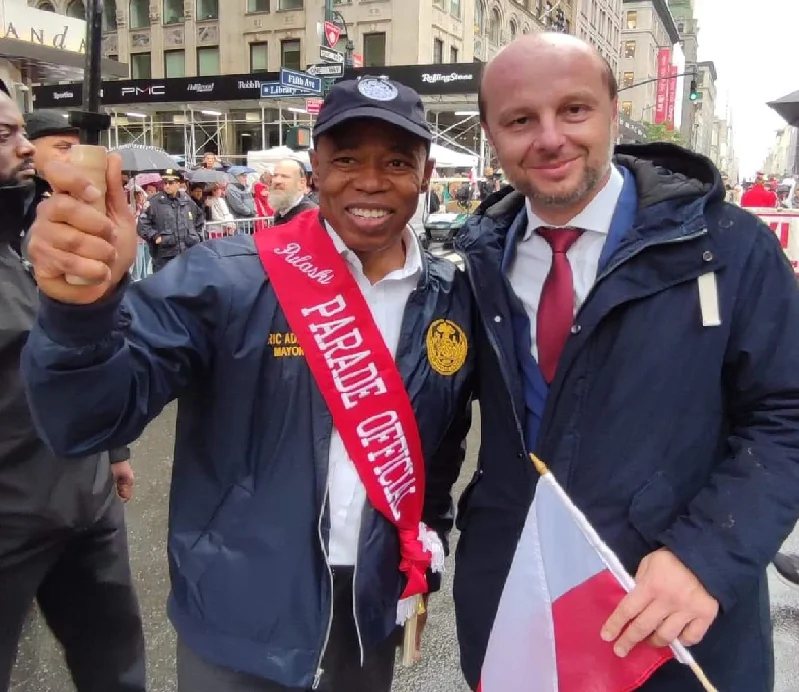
(377, 98)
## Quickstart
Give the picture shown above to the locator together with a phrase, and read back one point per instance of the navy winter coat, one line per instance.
(248, 525)
(664, 432)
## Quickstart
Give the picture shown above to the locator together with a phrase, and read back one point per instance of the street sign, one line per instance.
(313, 106)
(330, 55)
(300, 80)
(272, 90)
(332, 33)
(326, 69)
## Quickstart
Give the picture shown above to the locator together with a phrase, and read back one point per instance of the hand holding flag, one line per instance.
(564, 587)
(667, 604)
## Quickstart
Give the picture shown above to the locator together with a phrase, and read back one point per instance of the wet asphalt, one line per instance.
(40, 668)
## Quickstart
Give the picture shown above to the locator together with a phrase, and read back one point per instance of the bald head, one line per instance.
(547, 47)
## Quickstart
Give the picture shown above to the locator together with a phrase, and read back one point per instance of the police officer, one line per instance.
(172, 223)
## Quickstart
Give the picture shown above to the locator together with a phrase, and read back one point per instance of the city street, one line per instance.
(40, 668)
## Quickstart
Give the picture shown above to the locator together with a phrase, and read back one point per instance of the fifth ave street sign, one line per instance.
(326, 69)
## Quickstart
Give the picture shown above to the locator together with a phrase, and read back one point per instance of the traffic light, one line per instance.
(694, 95)
(298, 138)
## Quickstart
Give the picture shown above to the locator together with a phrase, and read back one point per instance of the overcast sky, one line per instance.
(754, 46)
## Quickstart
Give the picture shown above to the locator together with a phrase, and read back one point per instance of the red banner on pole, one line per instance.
(672, 102)
(664, 74)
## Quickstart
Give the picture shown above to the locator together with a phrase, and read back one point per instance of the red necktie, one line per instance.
(556, 307)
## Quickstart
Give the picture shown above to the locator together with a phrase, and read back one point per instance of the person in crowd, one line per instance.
(759, 195)
(239, 198)
(62, 529)
(141, 268)
(197, 193)
(261, 198)
(218, 213)
(641, 338)
(171, 223)
(210, 162)
(275, 497)
(287, 191)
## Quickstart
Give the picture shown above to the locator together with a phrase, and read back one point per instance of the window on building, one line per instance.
(207, 9)
(494, 26)
(46, 7)
(632, 19)
(628, 79)
(257, 5)
(109, 15)
(479, 17)
(290, 5)
(76, 9)
(139, 14)
(627, 108)
(173, 12)
(513, 29)
(441, 4)
(174, 63)
(374, 50)
(208, 61)
(141, 66)
(629, 49)
(455, 8)
(453, 54)
(290, 54)
(438, 51)
(259, 56)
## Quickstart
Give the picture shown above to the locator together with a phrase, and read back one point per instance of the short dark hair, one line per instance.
(609, 76)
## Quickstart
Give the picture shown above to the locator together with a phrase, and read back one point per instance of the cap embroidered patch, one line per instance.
(378, 89)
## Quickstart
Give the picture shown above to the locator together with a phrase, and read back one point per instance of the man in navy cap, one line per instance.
(322, 369)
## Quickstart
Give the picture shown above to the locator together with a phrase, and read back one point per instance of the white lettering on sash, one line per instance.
(292, 254)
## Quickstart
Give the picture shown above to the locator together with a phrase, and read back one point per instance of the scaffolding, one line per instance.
(231, 129)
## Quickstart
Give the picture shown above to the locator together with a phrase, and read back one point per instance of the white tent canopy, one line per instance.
(449, 158)
(266, 160)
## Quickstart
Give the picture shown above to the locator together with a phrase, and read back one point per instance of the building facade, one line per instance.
(647, 28)
(599, 23)
(705, 109)
(254, 39)
(782, 156)
(688, 30)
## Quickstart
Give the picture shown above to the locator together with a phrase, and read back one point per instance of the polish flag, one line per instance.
(562, 586)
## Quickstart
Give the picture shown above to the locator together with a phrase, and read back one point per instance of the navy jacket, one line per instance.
(248, 526)
(663, 431)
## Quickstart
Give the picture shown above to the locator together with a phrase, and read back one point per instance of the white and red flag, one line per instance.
(563, 585)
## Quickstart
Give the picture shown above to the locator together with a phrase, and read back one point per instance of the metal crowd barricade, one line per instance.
(220, 229)
(785, 224)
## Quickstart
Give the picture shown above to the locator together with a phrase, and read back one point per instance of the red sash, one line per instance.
(356, 375)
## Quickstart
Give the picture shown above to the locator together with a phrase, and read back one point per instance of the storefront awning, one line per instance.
(47, 65)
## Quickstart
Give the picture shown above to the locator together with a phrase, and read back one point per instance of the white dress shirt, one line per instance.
(534, 255)
(386, 299)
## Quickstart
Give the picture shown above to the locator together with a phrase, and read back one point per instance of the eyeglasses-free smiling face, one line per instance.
(550, 116)
(369, 175)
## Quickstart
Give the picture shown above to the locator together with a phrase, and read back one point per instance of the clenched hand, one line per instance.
(668, 603)
(70, 237)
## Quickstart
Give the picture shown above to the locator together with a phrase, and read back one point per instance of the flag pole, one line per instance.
(613, 563)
